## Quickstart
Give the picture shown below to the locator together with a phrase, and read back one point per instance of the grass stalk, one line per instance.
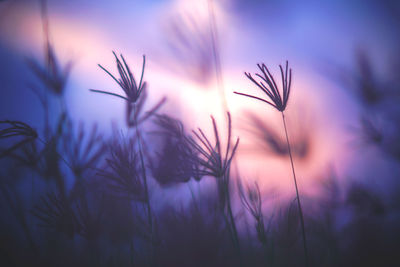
(231, 220)
(303, 232)
(224, 104)
(147, 196)
(142, 165)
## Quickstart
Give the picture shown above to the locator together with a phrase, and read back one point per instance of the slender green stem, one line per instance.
(297, 194)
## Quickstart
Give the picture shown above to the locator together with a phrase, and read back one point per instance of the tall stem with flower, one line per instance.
(134, 97)
(279, 101)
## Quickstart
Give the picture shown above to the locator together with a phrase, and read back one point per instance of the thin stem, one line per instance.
(143, 170)
(193, 197)
(149, 216)
(231, 218)
(61, 184)
(297, 192)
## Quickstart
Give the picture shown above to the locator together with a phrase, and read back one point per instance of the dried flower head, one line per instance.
(126, 81)
(135, 94)
(276, 100)
(211, 157)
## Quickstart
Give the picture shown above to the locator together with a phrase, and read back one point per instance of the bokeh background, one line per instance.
(343, 121)
(323, 42)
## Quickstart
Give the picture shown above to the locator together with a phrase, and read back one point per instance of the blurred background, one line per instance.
(332, 48)
(343, 119)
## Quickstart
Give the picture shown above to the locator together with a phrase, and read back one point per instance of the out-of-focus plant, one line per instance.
(217, 163)
(17, 129)
(89, 221)
(191, 46)
(122, 171)
(173, 163)
(55, 212)
(270, 141)
(251, 200)
(82, 150)
(52, 76)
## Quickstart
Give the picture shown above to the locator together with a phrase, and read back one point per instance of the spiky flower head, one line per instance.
(210, 157)
(126, 81)
(135, 94)
(268, 85)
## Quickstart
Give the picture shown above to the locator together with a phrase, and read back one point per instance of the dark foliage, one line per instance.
(52, 76)
(12, 129)
(54, 211)
(82, 150)
(173, 163)
(123, 171)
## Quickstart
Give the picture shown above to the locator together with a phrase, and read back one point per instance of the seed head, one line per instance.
(214, 161)
(126, 81)
(275, 98)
